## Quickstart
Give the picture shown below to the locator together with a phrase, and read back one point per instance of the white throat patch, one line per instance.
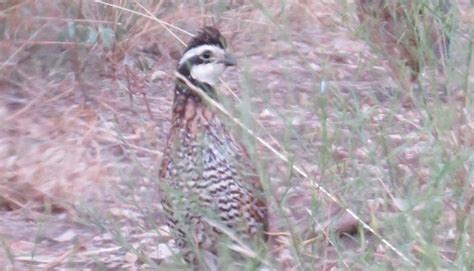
(208, 73)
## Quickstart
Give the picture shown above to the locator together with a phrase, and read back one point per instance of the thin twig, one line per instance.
(227, 87)
(45, 42)
(62, 258)
(13, 7)
(146, 16)
(73, 20)
(165, 25)
(21, 47)
(29, 105)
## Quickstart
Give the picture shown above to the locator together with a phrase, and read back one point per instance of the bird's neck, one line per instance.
(187, 102)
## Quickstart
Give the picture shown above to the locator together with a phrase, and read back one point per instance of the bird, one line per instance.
(412, 35)
(211, 191)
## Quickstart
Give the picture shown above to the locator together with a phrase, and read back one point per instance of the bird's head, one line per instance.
(206, 57)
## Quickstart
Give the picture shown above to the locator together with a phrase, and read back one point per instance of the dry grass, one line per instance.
(85, 96)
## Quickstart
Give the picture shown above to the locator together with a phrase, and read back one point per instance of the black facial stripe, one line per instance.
(185, 68)
(195, 60)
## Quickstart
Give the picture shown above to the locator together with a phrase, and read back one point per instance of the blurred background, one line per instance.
(372, 98)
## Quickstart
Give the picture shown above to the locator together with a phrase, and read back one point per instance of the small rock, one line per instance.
(315, 67)
(266, 113)
(162, 252)
(66, 236)
(130, 257)
(361, 153)
(158, 75)
(340, 153)
(164, 231)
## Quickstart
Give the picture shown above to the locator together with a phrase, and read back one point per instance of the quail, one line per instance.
(208, 180)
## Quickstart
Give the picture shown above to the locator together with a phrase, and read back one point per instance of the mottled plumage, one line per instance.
(206, 174)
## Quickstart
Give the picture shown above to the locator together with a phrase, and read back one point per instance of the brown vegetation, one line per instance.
(85, 96)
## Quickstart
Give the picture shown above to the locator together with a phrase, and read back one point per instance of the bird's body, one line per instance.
(206, 174)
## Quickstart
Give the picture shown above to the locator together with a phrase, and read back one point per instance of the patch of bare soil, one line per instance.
(83, 127)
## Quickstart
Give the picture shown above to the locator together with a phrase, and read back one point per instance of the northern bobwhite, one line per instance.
(412, 34)
(210, 184)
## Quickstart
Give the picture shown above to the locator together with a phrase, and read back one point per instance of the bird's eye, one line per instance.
(206, 55)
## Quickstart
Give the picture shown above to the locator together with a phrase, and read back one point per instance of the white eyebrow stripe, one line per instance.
(199, 50)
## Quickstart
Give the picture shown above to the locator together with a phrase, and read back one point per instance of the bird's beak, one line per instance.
(229, 60)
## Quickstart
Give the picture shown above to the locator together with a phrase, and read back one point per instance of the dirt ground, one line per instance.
(83, 123)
